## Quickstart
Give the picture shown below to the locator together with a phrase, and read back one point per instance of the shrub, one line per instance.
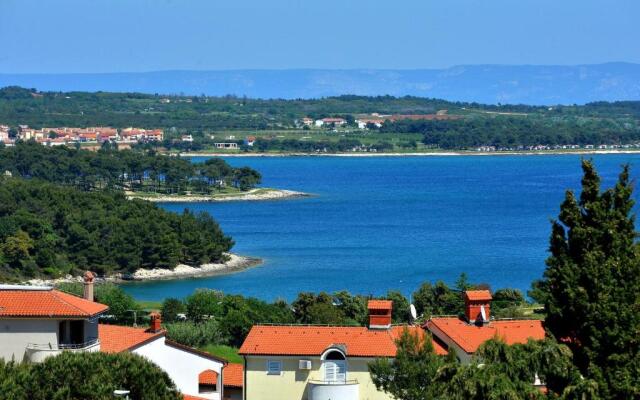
(194, 334)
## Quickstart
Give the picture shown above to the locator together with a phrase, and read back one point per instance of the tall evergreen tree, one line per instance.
(591, 287)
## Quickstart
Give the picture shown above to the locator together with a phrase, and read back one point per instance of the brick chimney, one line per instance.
(156, 323)
(477, 306)
(87, 292)
(380, 314)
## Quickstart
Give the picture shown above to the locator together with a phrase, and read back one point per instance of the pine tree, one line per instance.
(591, 287)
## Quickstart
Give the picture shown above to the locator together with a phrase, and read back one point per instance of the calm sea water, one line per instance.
(392, 222)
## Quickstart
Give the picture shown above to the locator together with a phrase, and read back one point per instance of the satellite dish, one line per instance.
(414, 313)
(483, 313)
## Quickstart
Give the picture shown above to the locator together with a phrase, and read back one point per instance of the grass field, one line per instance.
(228, 353)
(149, 305)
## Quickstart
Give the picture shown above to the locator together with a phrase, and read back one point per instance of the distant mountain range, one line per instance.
(491, 84)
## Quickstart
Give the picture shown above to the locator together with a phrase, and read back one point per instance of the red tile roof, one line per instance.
(28, 303)
(478, 295)
(190, 397)
(379, 304)
(208, 377)
(470, 337)
(233, 375)
(314, 340)
(116, 338)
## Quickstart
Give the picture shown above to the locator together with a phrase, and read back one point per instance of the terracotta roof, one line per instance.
(470, 337)
(478, 295)
(233, 375)
(380, 304)
(116, 338)
(190, 397)
(51, 303)
(314, 340)
(208, 377)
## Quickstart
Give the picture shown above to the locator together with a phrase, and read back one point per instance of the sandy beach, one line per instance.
(236, 263)
(258, 194)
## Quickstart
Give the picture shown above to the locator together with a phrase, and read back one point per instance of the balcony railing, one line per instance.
(64, 346)
(37, 352)
(331, 390)
(340, 382)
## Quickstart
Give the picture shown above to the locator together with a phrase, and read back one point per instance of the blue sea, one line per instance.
(380, 223)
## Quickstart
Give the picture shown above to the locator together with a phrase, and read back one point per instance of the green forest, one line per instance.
(122, 170)
(52, 230)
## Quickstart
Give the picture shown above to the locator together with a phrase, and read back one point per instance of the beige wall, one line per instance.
(293, 383)
(16, 334)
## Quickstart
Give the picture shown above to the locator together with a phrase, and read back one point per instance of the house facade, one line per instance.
(320, 362)
(195, 373)
(39, 322)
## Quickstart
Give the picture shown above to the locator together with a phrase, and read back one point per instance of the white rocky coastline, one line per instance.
(251, 195)
(235, 263)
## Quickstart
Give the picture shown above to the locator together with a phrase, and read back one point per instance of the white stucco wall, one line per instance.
(16, 334)
(463, 356)
(183, 367)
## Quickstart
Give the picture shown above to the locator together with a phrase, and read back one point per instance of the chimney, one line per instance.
(380, 314)
(477, 306)
(155, 325)
(87, 292)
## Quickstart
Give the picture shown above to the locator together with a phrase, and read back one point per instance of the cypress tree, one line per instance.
(591, 286)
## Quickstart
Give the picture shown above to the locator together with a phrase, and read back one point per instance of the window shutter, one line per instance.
(274, 367)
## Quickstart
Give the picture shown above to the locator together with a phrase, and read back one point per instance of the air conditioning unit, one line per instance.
(304, 364)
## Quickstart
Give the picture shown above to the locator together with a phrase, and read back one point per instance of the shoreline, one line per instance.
(425, 154)
(257, 194)
(236, 263)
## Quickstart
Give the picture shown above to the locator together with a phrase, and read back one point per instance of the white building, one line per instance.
(329, 121)
(38, 322)
(194, 372)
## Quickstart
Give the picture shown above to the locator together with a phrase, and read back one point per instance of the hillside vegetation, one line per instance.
(49, 230)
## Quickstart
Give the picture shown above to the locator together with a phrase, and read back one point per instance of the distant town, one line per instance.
(126, 137)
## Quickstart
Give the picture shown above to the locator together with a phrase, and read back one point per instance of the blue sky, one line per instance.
(150, 35)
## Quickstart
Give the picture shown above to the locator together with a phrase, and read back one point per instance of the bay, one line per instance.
(389, 223)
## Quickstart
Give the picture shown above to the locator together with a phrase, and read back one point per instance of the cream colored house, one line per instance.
(320, 362)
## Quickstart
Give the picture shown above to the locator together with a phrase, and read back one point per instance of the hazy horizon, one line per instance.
(110, 36)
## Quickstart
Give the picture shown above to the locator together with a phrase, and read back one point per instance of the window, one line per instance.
(274, 367)
(335, 367)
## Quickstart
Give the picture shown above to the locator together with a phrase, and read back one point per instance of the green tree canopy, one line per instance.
(86, 376)
(591, 286)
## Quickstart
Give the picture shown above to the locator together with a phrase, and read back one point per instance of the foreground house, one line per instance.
(38, 322)
(320, 362)
(465, 335)
(194, 372)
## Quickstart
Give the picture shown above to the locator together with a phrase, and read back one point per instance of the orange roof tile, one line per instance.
(470, 337)
(190, 397)
(380, 304)
(233, 375)
(51, 303)
(478, 295)
(208, 377)
(116, 338)
(314, 340)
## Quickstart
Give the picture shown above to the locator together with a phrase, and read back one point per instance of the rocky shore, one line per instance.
(259, 194)
(235, 263)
